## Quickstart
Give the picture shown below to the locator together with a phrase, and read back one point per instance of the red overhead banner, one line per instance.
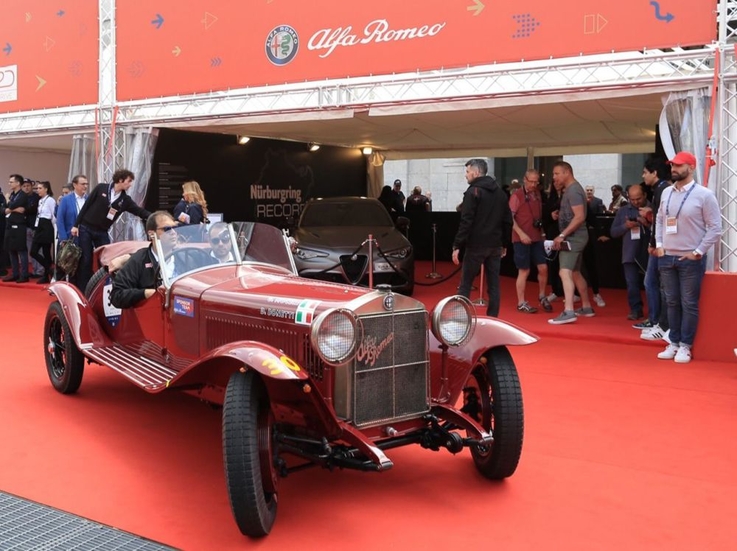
(48, 54)
(170, 47)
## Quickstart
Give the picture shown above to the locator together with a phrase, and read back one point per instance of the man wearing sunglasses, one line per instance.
(219, 235)
(140, 276)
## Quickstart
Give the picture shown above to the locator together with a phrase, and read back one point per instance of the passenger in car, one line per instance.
(140, 275)
(219, 235)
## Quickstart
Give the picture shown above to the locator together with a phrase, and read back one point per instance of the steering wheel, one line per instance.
(187, 259)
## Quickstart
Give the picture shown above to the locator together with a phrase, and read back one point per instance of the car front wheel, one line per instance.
(64, 361)
(247, 453)
(493, 397)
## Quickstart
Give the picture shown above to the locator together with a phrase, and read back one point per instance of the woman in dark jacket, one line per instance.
(43, 236)
(192, 209)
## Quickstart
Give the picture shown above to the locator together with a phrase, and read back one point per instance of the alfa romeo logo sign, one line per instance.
(282, 45)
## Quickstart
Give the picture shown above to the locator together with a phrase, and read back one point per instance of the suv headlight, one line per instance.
(454, 320)
(335, 334)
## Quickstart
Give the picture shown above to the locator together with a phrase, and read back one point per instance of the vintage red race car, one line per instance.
(306, 372)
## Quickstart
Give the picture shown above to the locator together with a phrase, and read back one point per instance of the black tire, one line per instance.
(96, 278)
(64, 361)
(247, 454)
(493, 397)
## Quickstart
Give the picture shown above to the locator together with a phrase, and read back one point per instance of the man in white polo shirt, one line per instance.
(688, 225)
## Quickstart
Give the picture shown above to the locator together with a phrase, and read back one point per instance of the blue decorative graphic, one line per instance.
(215, 62)
(158, 21)
(526, 25)
(8, 48)
(184, 306)
(282, 44)
(668, 17)
(60, 13)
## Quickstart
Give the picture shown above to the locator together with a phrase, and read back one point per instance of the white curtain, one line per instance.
(139, 156)
(83, 159)
(684, 126)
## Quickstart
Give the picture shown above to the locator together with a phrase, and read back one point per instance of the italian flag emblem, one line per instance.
(305, 312)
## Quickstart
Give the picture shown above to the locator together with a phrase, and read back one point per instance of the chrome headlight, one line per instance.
(453, 320)
(335, 334)
(399, 253)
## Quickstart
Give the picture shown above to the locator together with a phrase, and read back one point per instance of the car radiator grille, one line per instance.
(390, 379)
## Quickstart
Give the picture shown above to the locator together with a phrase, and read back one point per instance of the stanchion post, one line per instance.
(434, 274)
(481, 301)
(371, 261)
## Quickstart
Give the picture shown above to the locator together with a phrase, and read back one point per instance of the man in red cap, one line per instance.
(688, 225)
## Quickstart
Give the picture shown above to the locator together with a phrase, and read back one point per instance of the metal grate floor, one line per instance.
(29, 526)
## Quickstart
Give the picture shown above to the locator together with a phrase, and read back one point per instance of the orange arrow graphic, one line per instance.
(49, 43)
(176, 51)
(41, 83)
(28, 17)
(477, 7)
(209, 20)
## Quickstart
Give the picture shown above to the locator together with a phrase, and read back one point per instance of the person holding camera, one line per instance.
(634, 228)
(527, 240)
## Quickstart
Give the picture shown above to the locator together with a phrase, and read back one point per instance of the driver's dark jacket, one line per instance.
(141, 272)
(486, 220)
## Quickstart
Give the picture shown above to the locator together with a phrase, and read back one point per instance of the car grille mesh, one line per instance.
(391, 375)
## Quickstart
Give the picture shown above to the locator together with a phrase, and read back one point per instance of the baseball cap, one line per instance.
(683, 158)
(397, 181)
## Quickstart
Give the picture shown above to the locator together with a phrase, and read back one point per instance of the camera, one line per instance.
(537, 223)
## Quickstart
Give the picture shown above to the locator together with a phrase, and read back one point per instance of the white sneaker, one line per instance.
(683, 356)
(599, 301)
(653, 334)
(669, 353)
(666, 336)
(552, 297)
(576, 298)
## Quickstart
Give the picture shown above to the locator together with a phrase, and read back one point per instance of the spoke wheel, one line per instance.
(250, 474)
(493, 397)
(64, 361)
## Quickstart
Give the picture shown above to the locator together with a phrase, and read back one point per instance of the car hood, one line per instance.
(348, 239)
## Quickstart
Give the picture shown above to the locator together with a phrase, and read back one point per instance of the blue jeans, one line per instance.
(633, 279)
(491, 258)
(88, 239)
(682, 284)
(657, 312)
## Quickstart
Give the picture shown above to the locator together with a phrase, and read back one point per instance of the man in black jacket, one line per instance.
(103, 207)
(139, 277)
(485, 230)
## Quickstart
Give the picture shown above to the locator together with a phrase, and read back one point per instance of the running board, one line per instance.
(149, 375)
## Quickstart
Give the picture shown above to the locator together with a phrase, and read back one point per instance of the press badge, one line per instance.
(671, 225)
(635, 233)
(111, 213)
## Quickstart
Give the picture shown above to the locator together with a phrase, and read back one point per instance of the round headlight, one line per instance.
(334, 335)
(453, 320)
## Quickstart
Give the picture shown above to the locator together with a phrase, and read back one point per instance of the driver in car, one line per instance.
(139, 277)
(221, 250)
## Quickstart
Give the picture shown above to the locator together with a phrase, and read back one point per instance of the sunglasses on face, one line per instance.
(167, 228)
(224, 239)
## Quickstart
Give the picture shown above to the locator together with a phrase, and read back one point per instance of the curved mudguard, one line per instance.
(287, 382)
(82, 320)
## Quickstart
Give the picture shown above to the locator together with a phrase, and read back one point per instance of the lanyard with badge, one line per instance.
(671, 222)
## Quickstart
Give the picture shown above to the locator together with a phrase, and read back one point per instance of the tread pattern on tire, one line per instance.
(74, 368)
(98, 276)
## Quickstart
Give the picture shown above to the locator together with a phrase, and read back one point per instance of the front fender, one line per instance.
(82, 320)
(451, 366)
(293, 396)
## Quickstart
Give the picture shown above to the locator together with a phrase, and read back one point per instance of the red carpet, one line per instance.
(622, 451)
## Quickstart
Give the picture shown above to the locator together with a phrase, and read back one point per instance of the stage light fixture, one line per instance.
(314, 146)
(368, 150)
(242, 140)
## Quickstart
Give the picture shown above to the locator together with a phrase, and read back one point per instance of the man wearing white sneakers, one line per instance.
(688, 225)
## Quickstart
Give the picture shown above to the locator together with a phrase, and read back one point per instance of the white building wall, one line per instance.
(443, 178)
(601, 171)
(36, 165)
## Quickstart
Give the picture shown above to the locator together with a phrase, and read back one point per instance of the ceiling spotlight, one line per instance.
(242, 140)
(314, 146)
(368, 150)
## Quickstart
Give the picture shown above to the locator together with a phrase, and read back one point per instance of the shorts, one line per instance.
(571, 260)
(535, 251)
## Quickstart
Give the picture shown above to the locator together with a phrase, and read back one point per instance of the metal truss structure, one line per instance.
(638, 72)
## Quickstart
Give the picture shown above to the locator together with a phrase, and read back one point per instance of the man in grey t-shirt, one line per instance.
(572, 224)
